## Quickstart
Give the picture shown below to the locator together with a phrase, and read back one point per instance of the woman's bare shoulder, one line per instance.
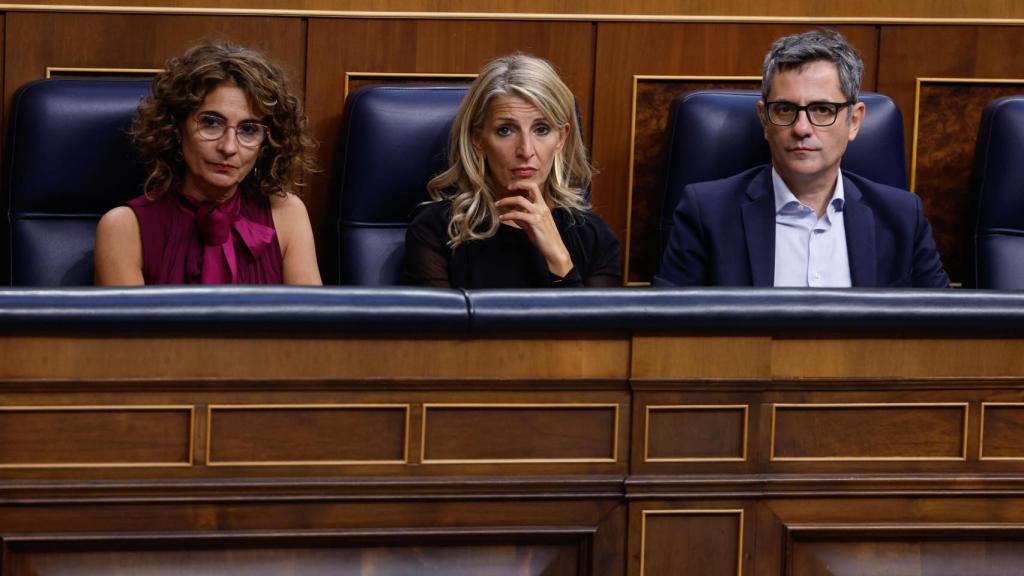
(120, 220)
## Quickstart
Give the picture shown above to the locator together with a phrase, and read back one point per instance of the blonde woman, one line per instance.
(510, 211)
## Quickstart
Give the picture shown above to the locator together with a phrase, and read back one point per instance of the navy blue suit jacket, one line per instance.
(723, 234)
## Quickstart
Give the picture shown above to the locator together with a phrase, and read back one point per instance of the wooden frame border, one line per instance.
(239, 407)
(696, 407)
(692, 512)
(615, 436)
(964, 406)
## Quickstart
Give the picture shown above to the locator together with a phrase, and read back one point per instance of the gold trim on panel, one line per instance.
(615, 437)
(268, 407)
(963, 439)
(692, 511)
(438, 75)
(688, 407)
(440, 15)
(917, 110)
(99, 408)
(104, 71)
(981, 438)
(637, 78)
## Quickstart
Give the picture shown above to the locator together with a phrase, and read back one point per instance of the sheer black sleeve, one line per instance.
(603, 268)
(426, 251)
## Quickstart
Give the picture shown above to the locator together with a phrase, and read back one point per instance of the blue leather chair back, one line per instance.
(70, 159)
(394, 140)
(715, 134)
(998, 191)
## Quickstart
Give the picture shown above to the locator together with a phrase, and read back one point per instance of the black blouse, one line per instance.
(508, 259)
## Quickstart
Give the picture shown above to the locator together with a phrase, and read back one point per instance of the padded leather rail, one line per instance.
(943, 312)
(412, 310)
(229, 308)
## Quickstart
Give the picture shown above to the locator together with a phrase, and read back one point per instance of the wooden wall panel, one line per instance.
(949, 117)
(136, 41)
(108, 436)
(42, 357)
(626, 50)
(309, 434)
(695, 433)
(520, 433)
(288, 556)
(875, 431)
(1002, 431)
(689, 541)
(746, 8)
(337, 47)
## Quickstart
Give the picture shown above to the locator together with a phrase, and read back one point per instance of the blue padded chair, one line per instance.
(394, 140)
(715, 134)
(70, 160)
(998, 191)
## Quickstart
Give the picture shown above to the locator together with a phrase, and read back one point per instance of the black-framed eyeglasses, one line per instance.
(782, 113)
(212, 127)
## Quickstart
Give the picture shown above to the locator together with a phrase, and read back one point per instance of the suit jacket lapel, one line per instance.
(859, 222)
(759, 229)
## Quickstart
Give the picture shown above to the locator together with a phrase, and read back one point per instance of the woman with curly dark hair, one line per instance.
(226, 147)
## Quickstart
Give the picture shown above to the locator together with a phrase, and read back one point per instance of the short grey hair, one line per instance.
(796, 51)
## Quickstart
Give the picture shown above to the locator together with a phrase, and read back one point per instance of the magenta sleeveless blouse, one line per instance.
(229, 243)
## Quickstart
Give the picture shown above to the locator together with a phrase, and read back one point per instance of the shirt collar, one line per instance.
(785, 197)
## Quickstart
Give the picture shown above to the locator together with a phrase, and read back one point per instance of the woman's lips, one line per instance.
(523, 173)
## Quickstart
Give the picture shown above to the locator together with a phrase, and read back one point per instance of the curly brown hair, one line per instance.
(285, 155)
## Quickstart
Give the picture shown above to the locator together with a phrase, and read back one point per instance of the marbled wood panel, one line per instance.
(653, 100)
(626, 50)
(947, 128)
(907, 53)
(423, 46)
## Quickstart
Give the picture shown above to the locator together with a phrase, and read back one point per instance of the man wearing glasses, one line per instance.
(801, 221)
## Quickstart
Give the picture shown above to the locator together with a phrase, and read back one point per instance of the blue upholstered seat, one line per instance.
(70, 160)
(998, 191)
(394, 141)
(714, 134)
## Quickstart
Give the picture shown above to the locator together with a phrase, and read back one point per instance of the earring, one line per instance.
(481, 165)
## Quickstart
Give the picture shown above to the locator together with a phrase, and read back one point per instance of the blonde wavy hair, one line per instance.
(286, 154)
(474, 216)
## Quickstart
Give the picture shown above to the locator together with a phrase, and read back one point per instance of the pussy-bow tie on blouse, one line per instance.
(216, 221)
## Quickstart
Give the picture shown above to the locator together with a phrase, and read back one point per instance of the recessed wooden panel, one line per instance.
(520, 433)
(1002, 431)
(824, 432)
(949, 115)
(705, 542)
(653, 101)
(424, 46)
(308, 434)
(435, 553)
(946, 129)
(115, 436)
(695, 433)
(627, 50)
(950, 550)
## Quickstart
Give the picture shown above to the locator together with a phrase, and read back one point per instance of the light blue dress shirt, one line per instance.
(810, 251)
